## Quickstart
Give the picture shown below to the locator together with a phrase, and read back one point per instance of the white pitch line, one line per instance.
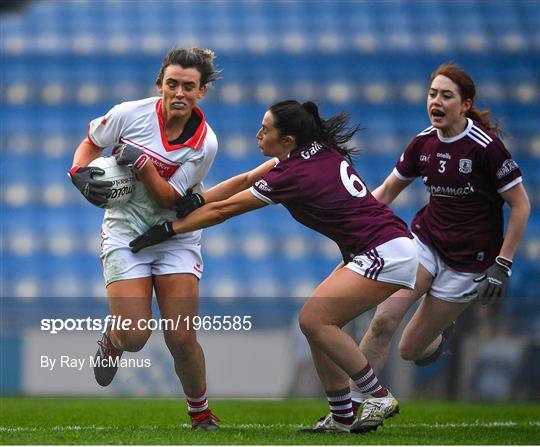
(470, 424)
(446, 425)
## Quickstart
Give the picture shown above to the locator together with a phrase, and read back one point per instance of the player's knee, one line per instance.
(309, 325)
(132, 341)
(382, 328)
(181, 343)
(408, 350)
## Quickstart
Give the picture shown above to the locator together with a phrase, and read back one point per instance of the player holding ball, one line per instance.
(168, 144)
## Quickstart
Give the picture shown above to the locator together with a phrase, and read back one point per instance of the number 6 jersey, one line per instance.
(323, 192)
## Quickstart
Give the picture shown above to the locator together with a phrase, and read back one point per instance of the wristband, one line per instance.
(73, 170)
(169, 228)
(505, 263)
(141, 162)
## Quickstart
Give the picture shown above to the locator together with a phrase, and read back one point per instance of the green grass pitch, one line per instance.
(274, 422)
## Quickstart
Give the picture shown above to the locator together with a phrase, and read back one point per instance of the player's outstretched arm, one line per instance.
(222, 191)
(206, 216)
(234, 185)
(390, 189)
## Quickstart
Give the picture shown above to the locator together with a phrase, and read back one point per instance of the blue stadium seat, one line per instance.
(299, 50)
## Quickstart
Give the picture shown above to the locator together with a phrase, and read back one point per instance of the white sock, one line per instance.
(357, 396)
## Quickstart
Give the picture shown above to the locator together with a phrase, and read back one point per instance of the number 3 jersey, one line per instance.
(464, 176)
(323, 192)
(140, 123)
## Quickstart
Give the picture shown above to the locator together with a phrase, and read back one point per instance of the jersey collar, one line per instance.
(459, 136)
(195, 142)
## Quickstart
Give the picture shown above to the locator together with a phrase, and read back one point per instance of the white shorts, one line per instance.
(448, 284)
(161, 259)
(395, 261)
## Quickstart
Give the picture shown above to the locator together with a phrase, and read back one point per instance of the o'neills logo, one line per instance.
(446, 155)
(507, 167)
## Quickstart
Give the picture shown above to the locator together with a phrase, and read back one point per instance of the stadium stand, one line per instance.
(64, 63)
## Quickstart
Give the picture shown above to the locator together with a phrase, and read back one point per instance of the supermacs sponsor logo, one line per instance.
(262, 185)
(507, 167)
(313, 149)
(449, 191)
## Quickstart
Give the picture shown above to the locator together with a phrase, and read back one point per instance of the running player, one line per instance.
(168, 143)
(469, 175)
(315, 181)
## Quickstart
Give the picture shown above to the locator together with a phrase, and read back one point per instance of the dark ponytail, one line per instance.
(303, 122)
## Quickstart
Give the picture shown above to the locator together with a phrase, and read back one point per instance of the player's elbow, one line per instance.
(223, 211)
(526, 206)
(250, 178)
(166, 198)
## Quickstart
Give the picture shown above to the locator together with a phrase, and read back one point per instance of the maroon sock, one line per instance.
(197, 404)
(341, 406)
(367, 382)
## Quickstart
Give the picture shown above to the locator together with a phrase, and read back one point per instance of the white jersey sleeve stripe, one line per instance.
(510, 185)
(401, 177)
(480, 142)
(480, 136)
(426, 131)
(482, 133)
(260, 196)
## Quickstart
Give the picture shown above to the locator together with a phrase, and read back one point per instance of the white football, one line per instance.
(122, 178)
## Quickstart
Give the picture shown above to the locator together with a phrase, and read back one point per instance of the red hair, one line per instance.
(467, 90)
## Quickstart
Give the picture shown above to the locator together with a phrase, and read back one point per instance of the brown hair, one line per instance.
(467, 90)
(199, 58)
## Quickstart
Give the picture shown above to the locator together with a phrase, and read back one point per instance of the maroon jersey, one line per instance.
(464, 176)
(322, 191)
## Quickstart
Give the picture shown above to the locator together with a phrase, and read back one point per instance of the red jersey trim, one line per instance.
(195, 142)
(150, 152)
(90, 138)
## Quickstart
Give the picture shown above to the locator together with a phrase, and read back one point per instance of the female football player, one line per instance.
(469, 175)
(167, 142)
(314, 180)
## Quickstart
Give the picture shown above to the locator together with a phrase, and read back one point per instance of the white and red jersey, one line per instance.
(464, 176)
(184, 166)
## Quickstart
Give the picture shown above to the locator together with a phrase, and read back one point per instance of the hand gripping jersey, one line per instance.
(322, 191)
(183, 165)
(464, 176)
